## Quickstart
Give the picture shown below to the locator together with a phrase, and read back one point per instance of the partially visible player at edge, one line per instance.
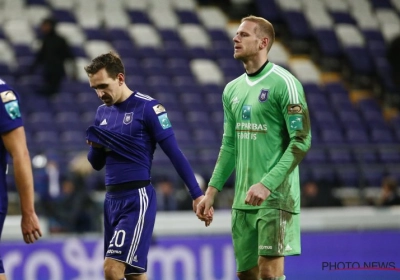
(123, 139)
(266, 135)
(14, 143)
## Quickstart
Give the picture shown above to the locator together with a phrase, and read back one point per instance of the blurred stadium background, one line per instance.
(180, 52)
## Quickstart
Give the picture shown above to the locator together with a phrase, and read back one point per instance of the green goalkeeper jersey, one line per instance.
(266, 135)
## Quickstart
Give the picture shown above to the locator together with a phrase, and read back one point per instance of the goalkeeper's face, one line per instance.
(246, 41)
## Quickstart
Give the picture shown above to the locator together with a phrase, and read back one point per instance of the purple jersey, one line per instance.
(10, 118)
(142, 118)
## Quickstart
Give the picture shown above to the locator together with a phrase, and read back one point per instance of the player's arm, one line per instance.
(97, 157)
(292, 103)
(15, 143)
(170, 147)
(226, 158)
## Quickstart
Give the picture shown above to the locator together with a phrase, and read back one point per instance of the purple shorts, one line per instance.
(129, 218)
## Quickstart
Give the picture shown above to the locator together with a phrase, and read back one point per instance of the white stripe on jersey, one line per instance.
(288, 78)
(250, 83)
(144, 202)
(144, 96)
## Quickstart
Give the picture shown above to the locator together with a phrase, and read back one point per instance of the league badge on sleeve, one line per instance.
(294, 109)
(158, 109)
(164, 121)
(263, 95)
(128, 118)
(296, 122)
(12, 109)
(7, 96)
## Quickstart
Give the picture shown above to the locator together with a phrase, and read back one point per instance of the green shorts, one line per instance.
(264, 232)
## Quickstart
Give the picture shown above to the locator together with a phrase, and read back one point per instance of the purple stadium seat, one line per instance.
(350, 119)
(191, 101)
(64, 16)
(332, 136)
(197, 117)
(223, 49)
(359, 59)
(389, 154)
(23, 50)
(119, 34)
(5, 69)
(170, 35)
(220, 35)
(348, 175)
(96, 34)
(372, 174)
(336, 88)
(268, 9)
(356, 136)
(365, 154)
(36, 2)
(183, 136)
(186, 16)
(173, 49)
(125, 49)
(297, 25)
(78, 51)
(381, 135)
(342, 17)
(208, 156)
(325, 119)
(205, 138)
(382, 4)
(137, 16)
(316, 156)
(328, 43)
(73, 140)
(178, 67)
(200, 52)
(323, 173)
(340, 155)
(154, 66)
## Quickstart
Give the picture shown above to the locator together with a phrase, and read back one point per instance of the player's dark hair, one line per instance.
(265, 28)
(110, 61)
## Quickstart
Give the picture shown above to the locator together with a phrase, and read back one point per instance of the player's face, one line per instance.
(246, 41)
(107, 89)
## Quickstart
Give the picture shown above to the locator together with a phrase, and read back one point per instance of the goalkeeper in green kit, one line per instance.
(266, 135)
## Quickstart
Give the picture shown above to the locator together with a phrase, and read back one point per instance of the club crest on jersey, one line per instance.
(263, 95)
(128, 118)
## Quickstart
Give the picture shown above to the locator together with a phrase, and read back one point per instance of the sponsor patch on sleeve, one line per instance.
(158, 109)
(12, 109)
(7, 96)
(164, 121)
(296, 122)
(294, 109)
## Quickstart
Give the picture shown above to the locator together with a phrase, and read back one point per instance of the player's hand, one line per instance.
(30, 228)
(257, 194)
(94, 144)
(204, 209)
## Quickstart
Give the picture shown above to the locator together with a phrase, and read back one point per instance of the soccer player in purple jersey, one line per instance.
(123, 139)
(13, 142)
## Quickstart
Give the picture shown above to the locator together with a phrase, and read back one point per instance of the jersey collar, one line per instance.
(259, 75)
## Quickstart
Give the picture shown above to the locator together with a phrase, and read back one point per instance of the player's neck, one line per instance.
(126, 92)
(253, 65)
